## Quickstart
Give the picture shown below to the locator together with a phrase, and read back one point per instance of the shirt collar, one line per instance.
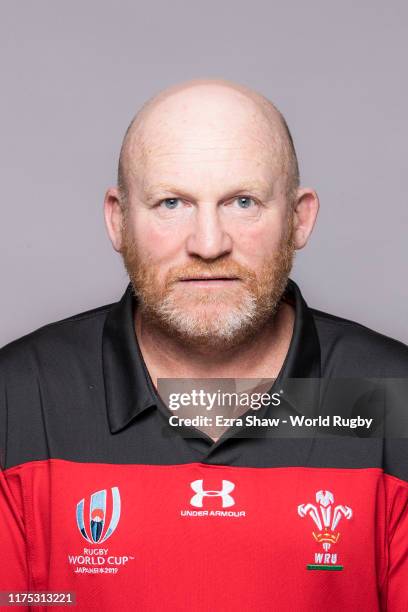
(128, 386)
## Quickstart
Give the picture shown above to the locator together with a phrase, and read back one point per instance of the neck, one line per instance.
(261, 357)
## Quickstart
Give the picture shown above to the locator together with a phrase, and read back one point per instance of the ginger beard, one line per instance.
(216, 318)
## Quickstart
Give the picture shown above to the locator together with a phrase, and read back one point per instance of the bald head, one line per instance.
(209, 116)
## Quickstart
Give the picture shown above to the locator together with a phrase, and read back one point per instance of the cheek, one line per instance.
(154, 240)
(259, 241)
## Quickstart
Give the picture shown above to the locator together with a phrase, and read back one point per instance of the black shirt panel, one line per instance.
(78, 390)
(349, 350)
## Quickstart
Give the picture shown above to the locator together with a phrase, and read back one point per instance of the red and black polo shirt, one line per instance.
(98, 499)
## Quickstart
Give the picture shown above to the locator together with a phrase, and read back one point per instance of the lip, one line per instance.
(210, 281)
(209, 278)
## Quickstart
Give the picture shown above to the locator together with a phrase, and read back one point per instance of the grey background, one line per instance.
(73, 73)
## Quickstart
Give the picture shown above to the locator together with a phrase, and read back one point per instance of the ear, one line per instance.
(304, 215)
(113, 212)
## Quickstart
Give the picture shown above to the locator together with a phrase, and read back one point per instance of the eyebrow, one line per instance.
(243, 187)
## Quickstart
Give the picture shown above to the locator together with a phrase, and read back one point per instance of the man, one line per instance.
(101, 495)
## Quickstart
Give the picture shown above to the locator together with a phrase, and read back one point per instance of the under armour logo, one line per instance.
(227, 499)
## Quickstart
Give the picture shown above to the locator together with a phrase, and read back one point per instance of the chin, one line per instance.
(205, 314)
(210, 327)
(204, 301)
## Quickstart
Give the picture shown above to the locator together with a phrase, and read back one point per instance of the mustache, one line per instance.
(226, 269)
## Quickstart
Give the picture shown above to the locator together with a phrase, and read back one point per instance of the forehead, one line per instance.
(207, 168)
(205, 140)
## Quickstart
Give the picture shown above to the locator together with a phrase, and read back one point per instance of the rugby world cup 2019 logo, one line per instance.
(100, 524)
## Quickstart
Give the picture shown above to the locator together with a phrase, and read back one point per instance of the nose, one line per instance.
(208, 238)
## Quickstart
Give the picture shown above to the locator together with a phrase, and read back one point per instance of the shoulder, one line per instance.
(357, 350)
(47, 370)
(54, 341)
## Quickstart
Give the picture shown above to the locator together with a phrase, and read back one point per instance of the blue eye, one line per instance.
(170, 203)
(244, 201)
